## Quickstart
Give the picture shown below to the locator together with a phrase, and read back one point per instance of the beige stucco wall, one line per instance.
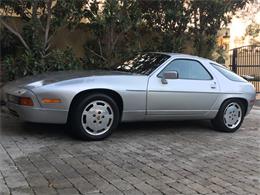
(63, 38)
(72, 38)
(76, 38)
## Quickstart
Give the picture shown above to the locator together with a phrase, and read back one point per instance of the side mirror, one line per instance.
(169, 75)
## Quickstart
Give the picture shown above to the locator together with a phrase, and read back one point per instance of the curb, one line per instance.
(256, 107)
(257, 103)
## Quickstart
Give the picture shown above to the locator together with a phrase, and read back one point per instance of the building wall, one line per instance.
(72, 38)
(63, 38)
(76, 38)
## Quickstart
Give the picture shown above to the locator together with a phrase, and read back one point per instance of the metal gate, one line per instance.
(245, 61)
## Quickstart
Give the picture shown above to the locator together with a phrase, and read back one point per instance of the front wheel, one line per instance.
(94, 117)
(230, 116)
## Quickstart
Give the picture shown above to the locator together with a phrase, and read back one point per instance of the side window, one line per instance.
(188, 69)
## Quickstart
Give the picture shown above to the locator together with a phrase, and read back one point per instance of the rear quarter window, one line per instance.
(228, 73)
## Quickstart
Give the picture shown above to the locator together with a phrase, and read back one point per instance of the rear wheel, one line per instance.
(230, 116)
(94, 117)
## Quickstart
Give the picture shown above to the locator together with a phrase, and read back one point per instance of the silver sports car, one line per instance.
(151, 86)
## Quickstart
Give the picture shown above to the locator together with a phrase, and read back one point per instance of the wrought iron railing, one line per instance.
(245, 61)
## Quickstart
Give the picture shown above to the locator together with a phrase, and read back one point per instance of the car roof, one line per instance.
(182, 55)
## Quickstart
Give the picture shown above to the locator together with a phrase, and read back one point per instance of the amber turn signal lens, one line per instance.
(25, 101)
(50, 101)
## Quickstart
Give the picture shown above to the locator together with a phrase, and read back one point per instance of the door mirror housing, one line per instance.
(169, 75)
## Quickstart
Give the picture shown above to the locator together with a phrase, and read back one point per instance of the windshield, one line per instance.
(143, 63)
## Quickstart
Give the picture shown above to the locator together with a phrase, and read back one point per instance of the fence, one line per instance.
(245, 61)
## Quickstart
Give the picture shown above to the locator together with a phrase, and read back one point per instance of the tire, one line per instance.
(94, 117)
(230, 116)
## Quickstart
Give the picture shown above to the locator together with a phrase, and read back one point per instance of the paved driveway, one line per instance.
(139, 158)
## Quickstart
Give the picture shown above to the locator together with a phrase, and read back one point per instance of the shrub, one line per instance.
(28, 64)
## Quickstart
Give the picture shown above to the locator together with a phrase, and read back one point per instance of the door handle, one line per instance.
(213, 85)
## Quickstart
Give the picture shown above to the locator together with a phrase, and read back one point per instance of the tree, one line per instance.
(207, 19)
(119, 28)
(41, 20)
(250, 14)
(253, 31)
(169, 19)
(110, 23)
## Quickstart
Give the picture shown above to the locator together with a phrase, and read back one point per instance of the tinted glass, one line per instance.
(143, 63)
(188, 69)
(228, 74)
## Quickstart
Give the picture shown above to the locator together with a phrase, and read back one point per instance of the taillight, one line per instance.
(25, 101)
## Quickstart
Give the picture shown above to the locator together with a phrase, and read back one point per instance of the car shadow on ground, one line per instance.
(155, 125)
(10, 126)
(162, 127)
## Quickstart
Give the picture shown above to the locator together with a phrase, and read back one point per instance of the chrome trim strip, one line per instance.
(136, 90)
(193, 92)
(133, 111)
(181, 110)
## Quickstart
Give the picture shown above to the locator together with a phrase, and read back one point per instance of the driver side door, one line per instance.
(192, 94)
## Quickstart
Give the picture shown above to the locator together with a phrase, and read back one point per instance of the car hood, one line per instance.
(53, 77)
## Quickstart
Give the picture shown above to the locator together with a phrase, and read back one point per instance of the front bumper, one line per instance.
(35, 113)
(38, 115)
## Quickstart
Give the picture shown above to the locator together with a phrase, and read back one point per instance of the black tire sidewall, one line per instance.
(219, 123)
(79, 107)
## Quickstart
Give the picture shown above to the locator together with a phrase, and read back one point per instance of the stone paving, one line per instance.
(139, 158)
